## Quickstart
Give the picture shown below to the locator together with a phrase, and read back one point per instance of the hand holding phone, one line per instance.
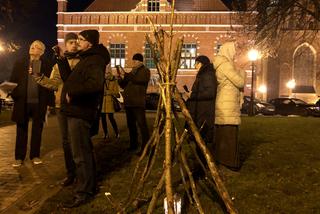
(57, 51)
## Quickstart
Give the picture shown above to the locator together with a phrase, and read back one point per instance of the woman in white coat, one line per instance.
(227, 111)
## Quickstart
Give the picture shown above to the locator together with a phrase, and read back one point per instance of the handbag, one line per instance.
(116, 104)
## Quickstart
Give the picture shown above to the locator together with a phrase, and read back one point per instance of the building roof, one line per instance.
(181, 5)
(112, 5)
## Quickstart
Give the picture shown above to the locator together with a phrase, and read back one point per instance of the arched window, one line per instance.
(188, 55)
(304, 61)
(148, 59)
(117, 54)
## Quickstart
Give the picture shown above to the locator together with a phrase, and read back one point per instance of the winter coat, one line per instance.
(19, 94)
(111, 89)
(55, 82)
(230, 82)
(84, 85)
(135, 86)
(201, 103)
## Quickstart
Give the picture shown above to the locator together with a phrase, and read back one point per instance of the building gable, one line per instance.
(181, 5)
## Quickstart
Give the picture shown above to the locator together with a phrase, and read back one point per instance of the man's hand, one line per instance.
(57, 51)
(120, 71)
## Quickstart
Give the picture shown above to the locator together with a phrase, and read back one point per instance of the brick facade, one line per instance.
(206, 23)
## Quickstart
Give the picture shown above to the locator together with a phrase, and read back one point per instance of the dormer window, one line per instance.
(153, 5)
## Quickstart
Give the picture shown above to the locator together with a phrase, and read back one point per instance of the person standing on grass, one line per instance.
(227, 111)
(111, 91)
(30, 101)
(83, 90)
(56, 83)
(135, 85)
(201, 103)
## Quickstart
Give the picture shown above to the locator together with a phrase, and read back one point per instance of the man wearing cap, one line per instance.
(30, 101)
(83, 91)
(55, 83)
(135, 85)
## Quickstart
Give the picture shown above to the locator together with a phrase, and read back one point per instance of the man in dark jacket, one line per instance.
(83, 90)
(30, 101)
(135, 85)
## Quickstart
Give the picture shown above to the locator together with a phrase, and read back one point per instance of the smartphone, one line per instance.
(185, 87)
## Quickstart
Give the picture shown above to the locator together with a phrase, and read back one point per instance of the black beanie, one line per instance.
(138, 57)
(91, 36)
(70, 36)
(203, 59)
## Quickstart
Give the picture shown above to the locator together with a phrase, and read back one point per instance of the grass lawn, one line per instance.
(280, 172)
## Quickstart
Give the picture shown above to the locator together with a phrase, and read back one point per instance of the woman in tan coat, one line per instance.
(111, 90)
(227, 111)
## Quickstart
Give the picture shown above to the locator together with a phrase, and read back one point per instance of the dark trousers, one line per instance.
(82, 150)
(226, 150)
(22, 134)
(137, 116)
(66, 145)
(112, 121)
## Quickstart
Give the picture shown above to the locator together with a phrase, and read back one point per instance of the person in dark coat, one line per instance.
(30, 101)
(201, 103)
(55, 83)
(135, 85)
(83, 91)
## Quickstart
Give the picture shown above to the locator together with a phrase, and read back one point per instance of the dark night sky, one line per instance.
(38, 23)
(42, 23)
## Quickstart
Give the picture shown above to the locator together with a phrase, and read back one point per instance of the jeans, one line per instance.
(36, 134)
(82, 150)
(68, 157)
(112, 121)
(137, 116)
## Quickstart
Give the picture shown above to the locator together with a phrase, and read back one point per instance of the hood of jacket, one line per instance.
(227, 50)
(100, 50)
(206, 67)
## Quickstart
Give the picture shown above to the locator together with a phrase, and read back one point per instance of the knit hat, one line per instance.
(203, 59)
(91, 36)
(70, 36)
(138, 57)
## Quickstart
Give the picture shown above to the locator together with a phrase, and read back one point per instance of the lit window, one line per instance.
(148, 56)
(153, 5)
(188, 55)
(118, 54)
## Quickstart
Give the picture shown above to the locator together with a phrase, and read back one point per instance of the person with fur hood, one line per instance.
(227, 112)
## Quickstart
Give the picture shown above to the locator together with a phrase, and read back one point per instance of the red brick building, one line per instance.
(205, 25)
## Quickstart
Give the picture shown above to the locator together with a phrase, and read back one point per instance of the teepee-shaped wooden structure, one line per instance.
(167, 61)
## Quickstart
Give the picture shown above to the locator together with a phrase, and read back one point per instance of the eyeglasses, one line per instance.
(81, 39)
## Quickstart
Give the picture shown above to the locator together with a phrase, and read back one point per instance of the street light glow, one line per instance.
(262, 89)
(1, 48)
(291, 84)
(253, 55)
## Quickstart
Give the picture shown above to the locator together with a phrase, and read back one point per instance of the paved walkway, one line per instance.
(25, 188)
